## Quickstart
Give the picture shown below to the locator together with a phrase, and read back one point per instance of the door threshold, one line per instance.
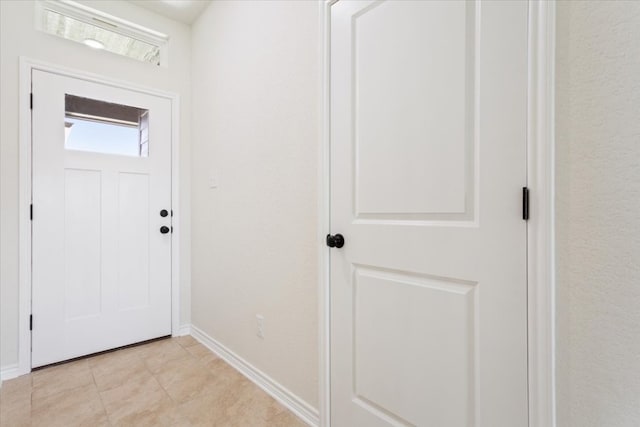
(75, 359)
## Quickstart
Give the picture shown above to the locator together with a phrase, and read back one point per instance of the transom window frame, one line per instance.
(104, 21)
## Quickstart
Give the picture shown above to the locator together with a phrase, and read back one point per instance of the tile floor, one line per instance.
(171, 382)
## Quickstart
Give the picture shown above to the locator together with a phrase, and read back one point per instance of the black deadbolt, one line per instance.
(164, 229)
(336, 241)
(164, 213)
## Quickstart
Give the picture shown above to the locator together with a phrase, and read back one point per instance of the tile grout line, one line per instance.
(95, 384)
(155, 377)
(194, 355)
(176, 403)
(142, 358)
(197, 360)
(159, 383)
(166, 393)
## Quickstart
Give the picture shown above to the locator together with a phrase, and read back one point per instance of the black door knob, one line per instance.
(164, 229)
(164, 213)
(336, 241)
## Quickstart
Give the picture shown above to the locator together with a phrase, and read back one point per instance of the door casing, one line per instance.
(540, 230)
(27, 65)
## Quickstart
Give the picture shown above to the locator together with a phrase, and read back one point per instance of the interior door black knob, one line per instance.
(164, 229)
(335, 241)
(164, 213)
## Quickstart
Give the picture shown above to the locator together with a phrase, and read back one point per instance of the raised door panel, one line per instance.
(413, 109)
(82, 243)
(414, 347)
(133, 241)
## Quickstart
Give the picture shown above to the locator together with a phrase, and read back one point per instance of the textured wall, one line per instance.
(19, 38)
(598, 201)
(255, 103)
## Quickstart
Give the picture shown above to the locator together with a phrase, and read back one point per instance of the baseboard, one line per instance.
(9, 372)
(184, 330)
(302, 409)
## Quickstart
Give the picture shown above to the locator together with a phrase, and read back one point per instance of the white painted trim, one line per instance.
(9, 372)
(103, 20)
(540, 232)
(324, 219)
(294, 403)
(541, 229)
(184, 330)
(25, 185)
(176, 214)
(24, 223)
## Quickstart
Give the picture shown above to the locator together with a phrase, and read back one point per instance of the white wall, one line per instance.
(255, 92)
(598, 217)
(18, 38)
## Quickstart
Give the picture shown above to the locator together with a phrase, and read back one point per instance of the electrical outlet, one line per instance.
(260, 325)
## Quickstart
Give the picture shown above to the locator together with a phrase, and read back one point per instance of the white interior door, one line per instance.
(101, 176)
(428, 161)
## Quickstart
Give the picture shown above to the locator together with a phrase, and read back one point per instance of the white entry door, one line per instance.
(428, 162)
(101, 177)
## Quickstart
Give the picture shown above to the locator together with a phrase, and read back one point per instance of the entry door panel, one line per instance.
(428, 159)
(101, 266)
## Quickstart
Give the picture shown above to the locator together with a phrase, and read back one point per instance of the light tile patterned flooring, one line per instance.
(171, 382)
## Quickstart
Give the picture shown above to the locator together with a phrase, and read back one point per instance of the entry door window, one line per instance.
(104, 127)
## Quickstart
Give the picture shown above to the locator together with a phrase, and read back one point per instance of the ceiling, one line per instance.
(181, 10)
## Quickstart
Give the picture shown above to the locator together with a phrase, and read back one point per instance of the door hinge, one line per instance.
(525, 203)
(31, 322)
(31, 212)
(31, 101)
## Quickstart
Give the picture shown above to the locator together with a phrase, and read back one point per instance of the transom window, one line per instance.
(98, 30)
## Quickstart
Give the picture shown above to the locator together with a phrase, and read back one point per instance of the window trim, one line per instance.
(104, 21)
